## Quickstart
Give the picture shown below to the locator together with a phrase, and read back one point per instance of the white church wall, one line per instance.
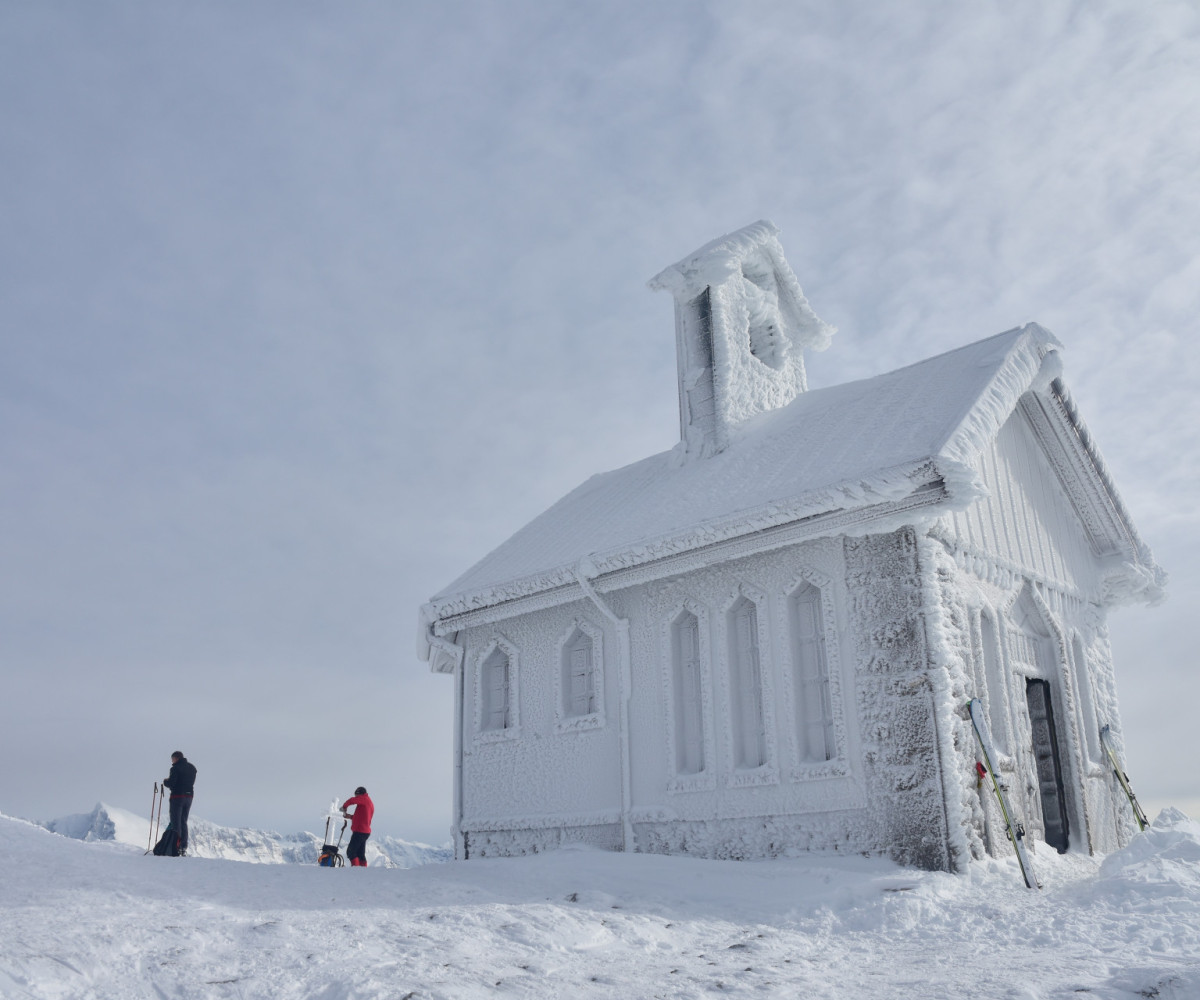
(556, 776)
(731, 808)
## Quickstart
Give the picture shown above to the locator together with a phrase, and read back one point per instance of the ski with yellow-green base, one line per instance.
(1106, 741)
(1015, 830)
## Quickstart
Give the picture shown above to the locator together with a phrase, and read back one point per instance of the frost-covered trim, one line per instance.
(1131, 575)
(564, 723)
(923, 499)
(545, 821)
(704, 780)
(945, 669)
(1089, 728)
(768, 772)
(1028, 593)
(1031, 360)
(1003, 573)
(838, 765)
(513, 730)
(1064, 682)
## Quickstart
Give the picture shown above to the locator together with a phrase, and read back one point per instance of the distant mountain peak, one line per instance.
(208, 840)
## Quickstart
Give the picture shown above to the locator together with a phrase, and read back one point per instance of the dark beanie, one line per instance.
(360, 790)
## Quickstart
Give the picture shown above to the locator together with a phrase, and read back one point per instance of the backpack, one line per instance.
(168, 844)
(330, 857)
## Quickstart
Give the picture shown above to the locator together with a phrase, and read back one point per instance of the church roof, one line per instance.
(865, 450)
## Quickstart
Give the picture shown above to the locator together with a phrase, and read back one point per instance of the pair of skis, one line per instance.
(1106, 741)
(1014, 828)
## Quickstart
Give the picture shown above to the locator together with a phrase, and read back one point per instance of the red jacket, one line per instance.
(360, 822)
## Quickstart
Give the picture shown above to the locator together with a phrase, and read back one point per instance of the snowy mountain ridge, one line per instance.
(107, 823)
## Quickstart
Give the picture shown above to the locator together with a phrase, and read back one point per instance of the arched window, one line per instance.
(997, 693)
(1087, 700)
(496, 690)
(814, 709)
(579, 676)
(687, 696)
(745, 682)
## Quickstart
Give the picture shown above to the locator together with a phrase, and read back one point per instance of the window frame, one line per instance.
(564, 721)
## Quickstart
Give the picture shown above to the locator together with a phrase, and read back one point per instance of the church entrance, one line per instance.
(1049, 765)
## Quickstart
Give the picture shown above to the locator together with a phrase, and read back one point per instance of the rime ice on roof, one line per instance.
(741, 324)
(764, 640)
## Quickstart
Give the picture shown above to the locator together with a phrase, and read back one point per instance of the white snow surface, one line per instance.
(97, 919)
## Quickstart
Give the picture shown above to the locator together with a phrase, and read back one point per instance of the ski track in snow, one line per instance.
(100, 920)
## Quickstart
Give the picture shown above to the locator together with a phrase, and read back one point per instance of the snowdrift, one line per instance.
(95, 919)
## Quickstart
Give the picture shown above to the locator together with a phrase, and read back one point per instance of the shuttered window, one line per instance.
(496, 689)
(814, 709)
(689, 713)
(579, 680)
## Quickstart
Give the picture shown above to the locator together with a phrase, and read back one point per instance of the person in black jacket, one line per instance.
(182, 782)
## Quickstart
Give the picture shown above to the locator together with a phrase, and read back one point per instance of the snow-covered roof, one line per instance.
(864, 444)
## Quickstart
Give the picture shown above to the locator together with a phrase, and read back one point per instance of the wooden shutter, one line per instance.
(580, 696)
(496, 688)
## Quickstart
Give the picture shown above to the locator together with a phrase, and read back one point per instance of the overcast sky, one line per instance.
(305, 307)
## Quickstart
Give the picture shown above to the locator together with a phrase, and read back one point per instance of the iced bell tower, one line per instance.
(741, 325)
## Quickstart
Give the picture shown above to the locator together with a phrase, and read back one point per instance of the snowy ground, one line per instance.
(100, 920)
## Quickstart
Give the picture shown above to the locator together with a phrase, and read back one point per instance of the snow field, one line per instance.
(100, 920)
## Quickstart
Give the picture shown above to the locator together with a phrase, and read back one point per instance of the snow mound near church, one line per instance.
(1166, 855)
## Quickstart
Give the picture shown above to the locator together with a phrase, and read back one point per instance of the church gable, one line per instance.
(1027, 519)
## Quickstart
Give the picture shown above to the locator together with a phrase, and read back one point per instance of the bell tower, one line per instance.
(741, 325)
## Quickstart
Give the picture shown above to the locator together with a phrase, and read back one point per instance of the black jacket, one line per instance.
(182, 779)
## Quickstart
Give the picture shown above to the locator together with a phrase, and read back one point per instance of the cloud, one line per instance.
(301, 312)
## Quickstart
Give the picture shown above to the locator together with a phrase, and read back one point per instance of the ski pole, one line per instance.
(162, 794)
(342, 833)
(150, 838)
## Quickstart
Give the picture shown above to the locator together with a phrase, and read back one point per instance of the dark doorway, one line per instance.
(1049, 766)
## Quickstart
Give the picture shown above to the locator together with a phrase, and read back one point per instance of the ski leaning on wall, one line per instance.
(1016, 832)
(1106, 741)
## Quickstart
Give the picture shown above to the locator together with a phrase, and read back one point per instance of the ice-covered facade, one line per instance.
(764, 640)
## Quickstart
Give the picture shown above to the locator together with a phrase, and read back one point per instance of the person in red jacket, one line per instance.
(360, 825)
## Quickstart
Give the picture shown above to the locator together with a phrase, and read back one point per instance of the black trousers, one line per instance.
(181, 805)
(357, 848)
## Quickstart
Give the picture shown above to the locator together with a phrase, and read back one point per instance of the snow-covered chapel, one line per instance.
(764, 640)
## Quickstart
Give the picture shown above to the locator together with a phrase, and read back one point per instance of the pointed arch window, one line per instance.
(749, 724)
(579, 676)
(996, 694)
(814, 706)
(1087, 700)
(496, 691)
(688, 696)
